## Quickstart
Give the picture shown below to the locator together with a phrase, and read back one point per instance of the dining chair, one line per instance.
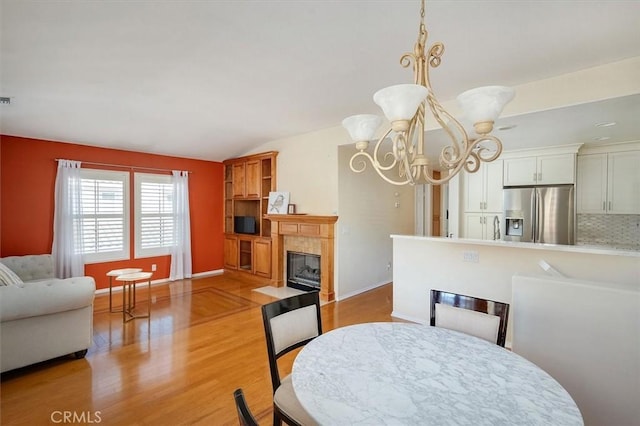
(478, 317)
(244, 414)
(289, 324)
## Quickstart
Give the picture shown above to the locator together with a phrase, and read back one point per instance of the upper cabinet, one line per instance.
(246, 179)
(482, 202)
(482, 190)
(540, 170)
(609, 183)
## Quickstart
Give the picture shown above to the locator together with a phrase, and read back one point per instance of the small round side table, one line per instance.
(129, 292)
(117, 273)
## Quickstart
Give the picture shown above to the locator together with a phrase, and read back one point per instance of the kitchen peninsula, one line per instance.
(485, 268)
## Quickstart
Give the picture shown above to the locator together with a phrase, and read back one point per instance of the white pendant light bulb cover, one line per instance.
(400, 102)
(485, 103)
(362, 127)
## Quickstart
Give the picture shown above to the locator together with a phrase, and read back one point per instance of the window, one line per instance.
(153, 215)
(105, 215)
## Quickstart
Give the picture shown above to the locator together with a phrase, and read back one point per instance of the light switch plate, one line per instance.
(471, 256)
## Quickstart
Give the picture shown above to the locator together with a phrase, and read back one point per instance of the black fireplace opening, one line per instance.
(303, 271)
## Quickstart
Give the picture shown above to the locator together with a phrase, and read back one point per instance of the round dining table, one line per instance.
(411, 374)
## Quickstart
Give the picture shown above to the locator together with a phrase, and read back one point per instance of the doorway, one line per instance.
(436, 207)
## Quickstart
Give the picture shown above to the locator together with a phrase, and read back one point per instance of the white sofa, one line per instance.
(43, 317)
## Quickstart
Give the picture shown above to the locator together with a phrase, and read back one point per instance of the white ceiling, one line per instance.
(214, 79)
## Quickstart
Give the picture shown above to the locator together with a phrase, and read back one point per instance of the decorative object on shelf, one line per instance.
(404, 105)
(278, 202)
(291, 209)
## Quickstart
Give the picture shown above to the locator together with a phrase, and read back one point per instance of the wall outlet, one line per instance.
(153, 267)
(471, 256)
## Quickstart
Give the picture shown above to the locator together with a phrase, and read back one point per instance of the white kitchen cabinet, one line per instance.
(482, 190)
(482, 200)
(591, 188)
(540, 170)
(483, 226)
(609, 183)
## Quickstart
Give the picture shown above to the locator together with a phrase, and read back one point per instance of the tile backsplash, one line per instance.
(612, 230)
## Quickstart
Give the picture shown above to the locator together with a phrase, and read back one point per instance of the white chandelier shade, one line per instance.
(400, 102)
(485, 104)
(404, 160)
(362, 127)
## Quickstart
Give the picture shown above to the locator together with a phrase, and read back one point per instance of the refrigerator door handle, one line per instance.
(534, 216)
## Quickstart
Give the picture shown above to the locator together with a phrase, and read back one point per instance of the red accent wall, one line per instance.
(27, 180)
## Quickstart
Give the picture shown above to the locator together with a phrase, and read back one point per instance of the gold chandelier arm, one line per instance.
(390, 157)
(408, 171)
(474, 154)
(416, 130)
(481, 150)
(472, 163)
(362, 165)
(451, 154)
(404, 154)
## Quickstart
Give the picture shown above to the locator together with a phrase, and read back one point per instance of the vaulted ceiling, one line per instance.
(214, 79)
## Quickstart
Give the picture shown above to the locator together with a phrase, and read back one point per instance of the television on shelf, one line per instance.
(244, 224)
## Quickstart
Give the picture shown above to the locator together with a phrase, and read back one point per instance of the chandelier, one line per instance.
(404, 106)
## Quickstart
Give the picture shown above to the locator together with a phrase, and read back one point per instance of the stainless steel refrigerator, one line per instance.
(542, 214)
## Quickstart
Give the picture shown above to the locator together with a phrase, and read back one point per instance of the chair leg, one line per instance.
(277, 421)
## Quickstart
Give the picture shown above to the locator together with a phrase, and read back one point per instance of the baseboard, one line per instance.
(208, 273)
(164, 280)
(360, 291)
(249, 277)
(395, 314)
(118, 287)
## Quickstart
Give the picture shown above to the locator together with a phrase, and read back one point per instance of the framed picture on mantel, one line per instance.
(278, 202)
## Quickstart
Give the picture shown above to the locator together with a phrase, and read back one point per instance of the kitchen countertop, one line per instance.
(535, 246)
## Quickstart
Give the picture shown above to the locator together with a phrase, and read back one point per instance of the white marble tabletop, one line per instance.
(412, 374)
(118, 272)
(134, 276)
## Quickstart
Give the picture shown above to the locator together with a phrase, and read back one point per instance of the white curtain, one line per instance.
(67, 232)
(181, 248)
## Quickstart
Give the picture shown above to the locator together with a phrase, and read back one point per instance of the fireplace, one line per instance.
(303, 234)
(303, 271)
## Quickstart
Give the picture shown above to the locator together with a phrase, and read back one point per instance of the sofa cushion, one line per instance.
(45, 297)
(8, 277)
(31, 266)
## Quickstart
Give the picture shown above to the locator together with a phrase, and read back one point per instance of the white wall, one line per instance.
(589, 85)
(421, 264)
(368, 216)
(308, 169)
(587, 336)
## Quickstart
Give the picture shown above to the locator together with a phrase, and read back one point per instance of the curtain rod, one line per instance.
(124, 166)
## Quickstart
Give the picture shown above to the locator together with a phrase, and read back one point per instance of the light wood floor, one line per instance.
(205, 339)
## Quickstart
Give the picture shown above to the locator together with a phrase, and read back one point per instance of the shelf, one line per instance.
(251, 178)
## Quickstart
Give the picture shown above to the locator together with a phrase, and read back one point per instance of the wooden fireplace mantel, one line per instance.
(309, 226)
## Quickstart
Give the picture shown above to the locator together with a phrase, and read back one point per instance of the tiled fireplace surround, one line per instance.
(304, 234)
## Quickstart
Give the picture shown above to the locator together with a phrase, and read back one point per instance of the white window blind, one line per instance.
(154, 215)
(104, 216)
